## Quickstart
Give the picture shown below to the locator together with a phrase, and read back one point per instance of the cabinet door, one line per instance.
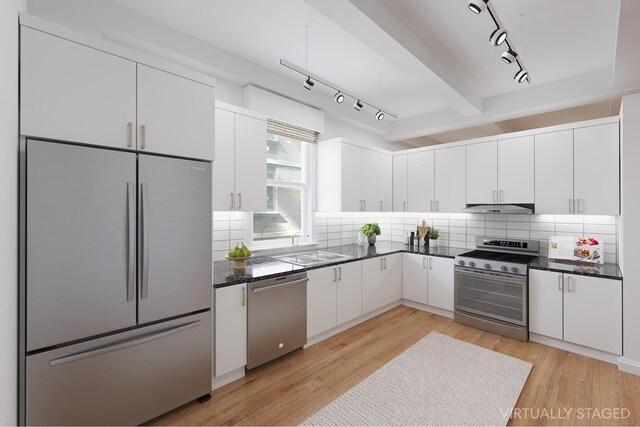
(351, 178)
(349, 300)
(414, 278)
(392, 279)
(400, 169)
(593, 312)
(516, 170)
(482, 173)
(321, 300)
(224, 166)
(420, 185)
(372, 270)
(251, 164)
(596, 152)
(440, 289)
(386, 182)
(231, 328)
(554, 172)
(178, 115)
(450, 192)
(370, 180)
(545, 303)
(71, 92)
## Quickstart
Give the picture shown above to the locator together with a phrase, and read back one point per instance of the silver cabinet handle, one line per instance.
(232, 201)
(381, 209)
(570, 205)
(385, 262)
(502, 195)
(244, 295)
(494, 196)
(365, 205)
(569, 284)
(122, 345)
(280, 286)
(239, 200)
(430, 263)
(424, 259)
(404, 206)
(131, 237)
(130, 134)
(579, 206)
(144, 190)
(381, 264)
(560, 282)
(143, 136)
(437, 205)
(335, 274)
(431, 206)
(340, 273)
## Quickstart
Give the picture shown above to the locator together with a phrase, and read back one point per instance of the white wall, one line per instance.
(338, 128)
(630, 231)
(8, 209)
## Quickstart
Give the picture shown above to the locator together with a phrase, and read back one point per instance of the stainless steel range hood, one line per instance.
(497, 209)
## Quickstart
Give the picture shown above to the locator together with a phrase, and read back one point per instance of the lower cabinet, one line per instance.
(349, 292)
(579, 309)
(381, 282)
(321, 300)
(231, 328)
(428, 280)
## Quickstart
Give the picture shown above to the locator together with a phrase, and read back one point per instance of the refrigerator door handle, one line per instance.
(122, 345)
(144, 188)
(131, 243)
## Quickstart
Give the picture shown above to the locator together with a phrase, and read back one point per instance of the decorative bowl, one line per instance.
(239, 262)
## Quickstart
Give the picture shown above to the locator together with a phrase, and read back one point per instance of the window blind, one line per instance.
(290, 131)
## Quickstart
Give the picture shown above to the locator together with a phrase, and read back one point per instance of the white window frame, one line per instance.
(308, 190)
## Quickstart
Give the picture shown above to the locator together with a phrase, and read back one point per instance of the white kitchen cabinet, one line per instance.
(71, 92)
(372, 271)
(516, 170)
(351, 178)
(440, 282)
(593, 312)
(176, 115)
(450, 187)
(231, 328)
(421, 186)
(321, 300)
(349, 292)
(414, 278)
(392, 279)
(579, 309)
(386, 182)
(554, 172)
(482, 173)
(546, 303)
(240, 169)
(400, 182)
(596, 172)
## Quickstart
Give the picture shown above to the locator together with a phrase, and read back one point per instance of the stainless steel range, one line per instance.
(491, 286)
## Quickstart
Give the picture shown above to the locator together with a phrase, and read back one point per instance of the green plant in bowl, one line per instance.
(371, 229)
(433, 234)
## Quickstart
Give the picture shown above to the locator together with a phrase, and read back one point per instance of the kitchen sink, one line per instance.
(307, 259)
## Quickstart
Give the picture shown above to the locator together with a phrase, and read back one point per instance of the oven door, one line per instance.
(497, 296)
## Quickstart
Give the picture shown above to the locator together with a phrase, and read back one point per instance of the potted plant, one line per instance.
(433, 236)
(371, 231)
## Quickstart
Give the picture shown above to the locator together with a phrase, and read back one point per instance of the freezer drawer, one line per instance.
(127, 378)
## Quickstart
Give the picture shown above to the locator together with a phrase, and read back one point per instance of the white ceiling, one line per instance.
(439, 72)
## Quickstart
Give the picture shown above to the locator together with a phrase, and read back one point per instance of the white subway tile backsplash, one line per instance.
(600, 228)
(501, 225)
(236, 225)
(518, 226)
(220, 235)
(577, 229)
(542, 226)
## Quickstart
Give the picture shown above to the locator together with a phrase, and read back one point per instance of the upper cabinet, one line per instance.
(71, 92)
(240, 169)
(482, 173)
(554, 172)
(176, 116)
(450, 180)
(77, 93)
(400, 182)
(352, 179)
(420, 187)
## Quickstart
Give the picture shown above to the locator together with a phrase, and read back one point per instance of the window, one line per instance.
(287, 192)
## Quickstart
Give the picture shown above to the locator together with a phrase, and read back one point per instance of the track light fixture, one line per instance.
(341, 94)
(499, 37)
(478, 6)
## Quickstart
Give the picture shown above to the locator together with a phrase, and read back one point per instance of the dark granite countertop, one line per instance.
(263, 267)
(605, 271)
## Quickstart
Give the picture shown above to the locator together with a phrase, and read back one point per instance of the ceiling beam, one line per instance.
(626, 63)
(371, 22)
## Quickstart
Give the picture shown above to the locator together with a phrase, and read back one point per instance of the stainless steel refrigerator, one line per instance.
(116, 289)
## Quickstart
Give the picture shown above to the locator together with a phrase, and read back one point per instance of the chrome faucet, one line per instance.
(295, 241)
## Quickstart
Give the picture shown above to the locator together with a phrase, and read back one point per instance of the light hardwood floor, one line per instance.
(289, 390)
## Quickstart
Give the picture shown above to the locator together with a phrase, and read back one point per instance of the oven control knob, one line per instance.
(514, 269)
(504, 268)
(487, 266)
(472, 264)
(461, 262)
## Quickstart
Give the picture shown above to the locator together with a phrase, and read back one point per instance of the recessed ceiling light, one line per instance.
(339, 97)
(509, 56)
(379, 115)
(308, 84)
(358, 105)
(498, 37)
(478, 6)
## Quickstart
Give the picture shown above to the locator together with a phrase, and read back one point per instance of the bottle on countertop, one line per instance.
(411, 237)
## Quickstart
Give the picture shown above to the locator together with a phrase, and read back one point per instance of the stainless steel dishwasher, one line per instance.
(277, 318)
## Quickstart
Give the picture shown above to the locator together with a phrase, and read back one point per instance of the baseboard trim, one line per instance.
(227, 378)
(575, 348)
(350, 324)
(628, 366)
(428, 308)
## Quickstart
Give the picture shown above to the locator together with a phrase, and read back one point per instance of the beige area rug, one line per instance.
(438, 381)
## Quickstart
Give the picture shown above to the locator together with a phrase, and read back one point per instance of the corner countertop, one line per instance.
(604, 271)
(263, 267)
